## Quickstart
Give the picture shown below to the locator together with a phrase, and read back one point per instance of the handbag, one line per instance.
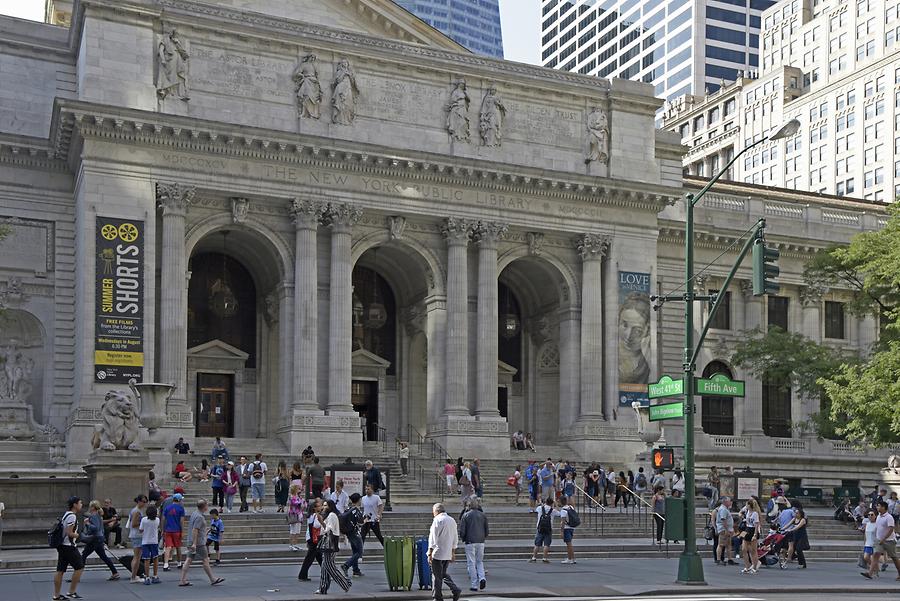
(511, 481)
(293, 518)
(709, 533)
(328, 543)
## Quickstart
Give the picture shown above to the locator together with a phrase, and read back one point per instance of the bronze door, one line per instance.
(214, 405)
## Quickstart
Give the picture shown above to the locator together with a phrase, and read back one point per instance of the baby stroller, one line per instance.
(770, 547)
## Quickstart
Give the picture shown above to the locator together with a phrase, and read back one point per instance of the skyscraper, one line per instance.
(473, 23)
(680, 46)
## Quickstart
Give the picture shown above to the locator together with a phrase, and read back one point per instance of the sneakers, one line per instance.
(294, 548)
(483, 583)
(165, 567)
(178, 565)
(346, 571)
(154, 580)
(147, 581)
(136, 580)
(532, 560)
(566, 561)
(357, 574)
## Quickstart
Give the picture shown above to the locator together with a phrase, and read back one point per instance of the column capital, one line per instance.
(487, 234)
(174, 198)
(306, 214)
(811, 296)
(341, 217)
(592, 247)
(456, 231)
(746, 287)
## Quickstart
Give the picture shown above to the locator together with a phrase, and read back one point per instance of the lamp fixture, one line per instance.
(222, 301)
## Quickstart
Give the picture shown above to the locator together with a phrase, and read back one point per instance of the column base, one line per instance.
(594, 438)
(335, 434)
(470, 437)
(116, 475)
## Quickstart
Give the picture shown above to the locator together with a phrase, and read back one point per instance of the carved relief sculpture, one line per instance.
(239, 209)
(598, 134)
(458, 112)
(119, 426)
(397, 227)
(490, 122)
(172, 70)
(344, 94)
(309, 91)
(535, 243)
(16, 371)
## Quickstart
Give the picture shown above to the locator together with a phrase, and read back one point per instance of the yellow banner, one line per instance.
(118, 358)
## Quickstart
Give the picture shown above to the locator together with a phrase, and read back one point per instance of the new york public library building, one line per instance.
(324, 221)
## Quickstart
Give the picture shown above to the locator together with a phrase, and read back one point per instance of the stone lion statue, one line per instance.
(119, 428)
(894, 463)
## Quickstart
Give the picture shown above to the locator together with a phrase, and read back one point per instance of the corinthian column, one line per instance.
(592, 248)
(457, 233)
(486, 235)
(174, 200)
(306, 215)
(340, 218)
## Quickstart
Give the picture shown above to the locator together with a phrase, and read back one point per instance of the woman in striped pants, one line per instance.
(328, 545)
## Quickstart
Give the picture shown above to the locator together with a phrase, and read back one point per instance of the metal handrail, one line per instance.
(382, 438)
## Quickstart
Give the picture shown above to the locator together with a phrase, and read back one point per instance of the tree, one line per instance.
(859, 397)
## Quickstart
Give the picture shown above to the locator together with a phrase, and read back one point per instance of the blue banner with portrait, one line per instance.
(633, 329)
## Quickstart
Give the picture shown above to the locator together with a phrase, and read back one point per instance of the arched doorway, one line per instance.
(717, 414)
(236, 354)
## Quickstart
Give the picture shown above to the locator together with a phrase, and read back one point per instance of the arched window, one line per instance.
(718, 411)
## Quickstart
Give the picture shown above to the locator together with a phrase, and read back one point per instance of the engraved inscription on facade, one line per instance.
(401, 100)
(236, 73)
(544, 124)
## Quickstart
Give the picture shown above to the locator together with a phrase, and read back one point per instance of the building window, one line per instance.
(834, 320)
(778, 312)
(776, 407)
(722, 319)
(717, 413)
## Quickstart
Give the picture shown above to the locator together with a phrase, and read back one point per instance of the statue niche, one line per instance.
(118, 429)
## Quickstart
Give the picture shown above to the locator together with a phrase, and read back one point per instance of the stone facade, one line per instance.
(311, 268)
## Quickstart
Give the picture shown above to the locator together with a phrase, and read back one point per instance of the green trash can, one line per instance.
(399, 562)
(674, 518)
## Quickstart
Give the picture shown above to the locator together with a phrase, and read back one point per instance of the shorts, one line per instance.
(68, 556)
(724, 538)
(149, 551)
(172, 540)
(533, 493)
(451, 480)
(543, 540)
(214, 543)
(888, 548)
(199, 553)
(568, 534)
(257, 491)
(136, 541)
(868, 550)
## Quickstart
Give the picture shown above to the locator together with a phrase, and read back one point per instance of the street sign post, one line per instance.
(665, 387)
(666, 411)
(720, 385)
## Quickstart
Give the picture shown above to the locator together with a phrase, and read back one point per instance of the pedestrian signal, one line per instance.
(663, 458)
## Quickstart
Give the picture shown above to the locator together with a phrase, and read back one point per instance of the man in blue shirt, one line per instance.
(173, 513)
(531, 477)
(548, 478)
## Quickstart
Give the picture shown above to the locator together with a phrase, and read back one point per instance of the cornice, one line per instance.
(249, 24)
(129, 126)
(32, 153)
(673, 233)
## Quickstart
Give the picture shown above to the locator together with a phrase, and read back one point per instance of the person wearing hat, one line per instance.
(354, 517)
(172, 516)
(231, 481)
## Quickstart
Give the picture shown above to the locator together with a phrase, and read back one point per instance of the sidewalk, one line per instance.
(505, 578)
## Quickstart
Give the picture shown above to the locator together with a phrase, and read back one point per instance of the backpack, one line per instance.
(348, 522)
(545, 525)
(641, 481)
(573, 520)
(57, 534)
(257, 470)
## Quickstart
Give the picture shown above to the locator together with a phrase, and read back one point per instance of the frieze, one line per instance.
(237, 73)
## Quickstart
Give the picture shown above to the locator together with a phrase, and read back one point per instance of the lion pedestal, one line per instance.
(119, 475)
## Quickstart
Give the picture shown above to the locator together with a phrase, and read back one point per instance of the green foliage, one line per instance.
(789, 358)
(865, 398)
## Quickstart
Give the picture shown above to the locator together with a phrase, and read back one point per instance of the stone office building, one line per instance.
(313, 218)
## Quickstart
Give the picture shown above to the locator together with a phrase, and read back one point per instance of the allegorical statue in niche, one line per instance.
(344, 94)
(16, 369)
(598, 133)
(458, 112)
(172, 75)
(309, 91)
(118, 428)
(490, 122)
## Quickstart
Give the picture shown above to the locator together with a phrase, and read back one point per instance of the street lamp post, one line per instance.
(690, 566)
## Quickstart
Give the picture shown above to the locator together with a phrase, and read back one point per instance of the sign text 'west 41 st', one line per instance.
(720, 385)
(665, 387)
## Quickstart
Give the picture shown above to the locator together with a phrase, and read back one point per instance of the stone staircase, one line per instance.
(17, 456)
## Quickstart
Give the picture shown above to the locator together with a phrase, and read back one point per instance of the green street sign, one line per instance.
(720, 385)
(665, 387)
(666, 411)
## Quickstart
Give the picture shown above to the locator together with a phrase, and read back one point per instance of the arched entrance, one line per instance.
(394, 290)
(717, 413)
(235, 355)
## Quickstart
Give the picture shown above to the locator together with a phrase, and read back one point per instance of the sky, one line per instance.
(520, 21)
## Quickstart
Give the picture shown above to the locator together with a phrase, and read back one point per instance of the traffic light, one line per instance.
(764, 269)
(663, 458)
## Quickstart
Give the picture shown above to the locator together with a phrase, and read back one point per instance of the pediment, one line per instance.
(380, 18)
(361, 358)
(216, 349)
(506, 369)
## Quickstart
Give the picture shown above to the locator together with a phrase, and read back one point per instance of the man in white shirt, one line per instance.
(442, 542)
(340, 497)
(885, 541)
(373, 506)
(258, 482)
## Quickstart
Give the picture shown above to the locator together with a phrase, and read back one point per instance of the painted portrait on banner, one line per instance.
(633, 329)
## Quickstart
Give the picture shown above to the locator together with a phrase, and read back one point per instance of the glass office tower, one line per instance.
(473, 23)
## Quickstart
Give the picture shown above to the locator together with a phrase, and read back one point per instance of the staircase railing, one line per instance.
(590, 510)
